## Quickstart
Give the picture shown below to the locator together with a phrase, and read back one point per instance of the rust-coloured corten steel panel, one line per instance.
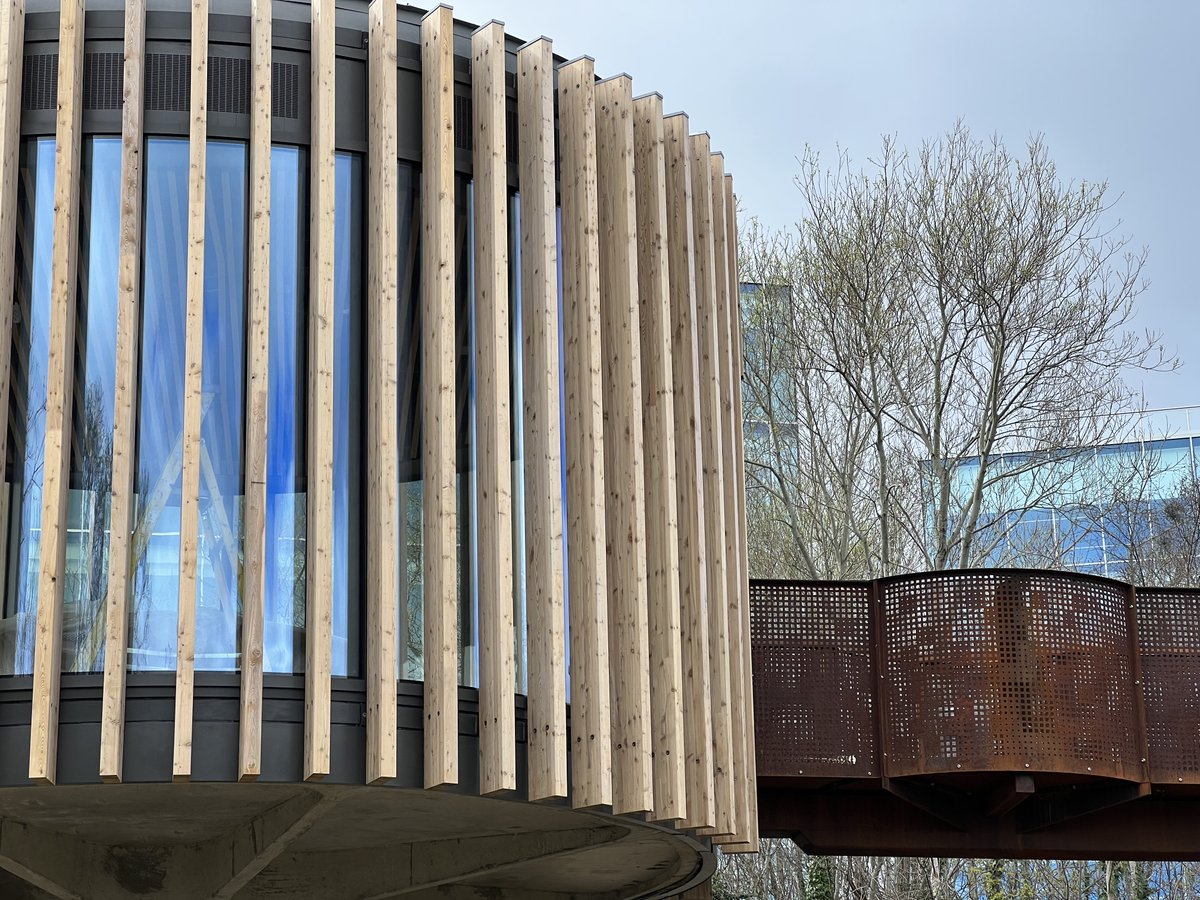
(982, 671)
(1169, 637)
(813, 680)
(994, 670)
(1009, 713)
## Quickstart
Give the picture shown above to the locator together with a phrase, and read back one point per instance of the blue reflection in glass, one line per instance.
(90, 498)
(283, 639)
(155, 593)
(27, 417)
(347, 387)
(218, 575)
(155, 590)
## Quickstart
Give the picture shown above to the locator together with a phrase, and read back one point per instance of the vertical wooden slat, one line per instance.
(129, 301)
(12, 56)
(591, 752)
(43, 734)
(735, 330)
(257, 384)
(493, 464)
(438, 397)
(662, 517)
(625, 505)
(733, 540)
(383, 450)
(318, 621)
(713, 474)
(543, 463)
(693, 562)
(193, 391)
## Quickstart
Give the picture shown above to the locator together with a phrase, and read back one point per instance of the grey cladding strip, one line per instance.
(167, 86)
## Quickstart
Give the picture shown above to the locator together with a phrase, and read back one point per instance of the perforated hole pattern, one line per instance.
(1169, 636)
(813, 707)
(1008, 671)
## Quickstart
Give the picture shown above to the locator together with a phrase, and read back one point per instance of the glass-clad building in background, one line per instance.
(1094, 511)
(1100, 510)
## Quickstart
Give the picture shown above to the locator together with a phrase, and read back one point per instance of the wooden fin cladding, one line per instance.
(578, 255)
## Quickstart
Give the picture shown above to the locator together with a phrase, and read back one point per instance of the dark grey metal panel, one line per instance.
(149, 730)
(350, 81)
(296, 129)
(168, 31)
(408, 112)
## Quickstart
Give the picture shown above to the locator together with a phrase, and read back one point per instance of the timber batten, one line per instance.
(320, 447)
(624, 451)
(497, 745)
(712, 434)
(257, 394)
(689, 462)
(469, 270)
(125, 392)
(591, 751)
(662, 514)
(544, 584)
(383, 475)
(438, 399)
(43, 729)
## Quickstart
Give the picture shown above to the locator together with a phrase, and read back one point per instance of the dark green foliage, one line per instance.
(820, 884)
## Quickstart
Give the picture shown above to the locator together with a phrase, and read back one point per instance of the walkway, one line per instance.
(1013, 713)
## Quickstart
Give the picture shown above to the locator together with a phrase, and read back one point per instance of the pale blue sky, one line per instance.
(1113, 86)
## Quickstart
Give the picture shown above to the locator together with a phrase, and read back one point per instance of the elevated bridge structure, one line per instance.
(1014, 713)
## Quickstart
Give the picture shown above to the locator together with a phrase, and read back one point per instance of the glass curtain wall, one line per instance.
(222, 435)
(155, 589)
(287, 391)
(154, 594)
(90, 471)
(464, 377)
(516, 356)
(90, 498)
(27, 405)
(348, 412)
(410, 633)
(411, 607)
(562, 445)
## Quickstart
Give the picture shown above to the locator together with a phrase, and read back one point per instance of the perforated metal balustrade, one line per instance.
(977, 671)
(1012, 713)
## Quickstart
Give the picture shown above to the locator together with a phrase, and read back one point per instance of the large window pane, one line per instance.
(22, 495)
(516, 354)
(411, 612)
(410, 634)
(348, 365)
(286, 419)
(218, 576)
(90, 498)
(562, 444)
(464, 351)
(155, 594)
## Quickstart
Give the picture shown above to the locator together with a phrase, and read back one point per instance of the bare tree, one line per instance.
(1160, 526)
(931, 353)
(935, 345)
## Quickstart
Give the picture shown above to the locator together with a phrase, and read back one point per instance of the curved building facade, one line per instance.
(372, 516)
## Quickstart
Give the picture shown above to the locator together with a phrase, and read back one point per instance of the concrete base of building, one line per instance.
(326, 841)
